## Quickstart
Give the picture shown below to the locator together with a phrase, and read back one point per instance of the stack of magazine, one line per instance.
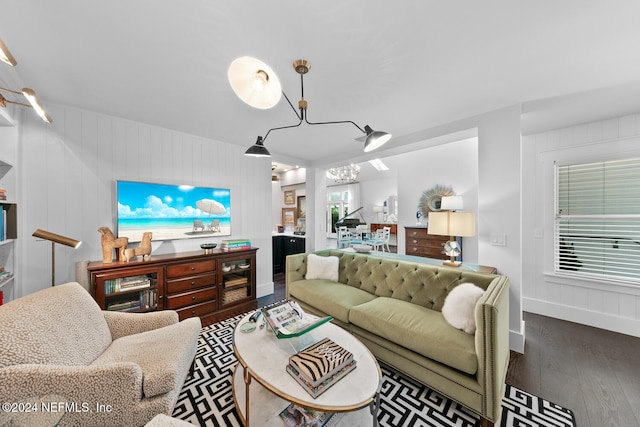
(321, 365)
(288, 320)
(299, 416)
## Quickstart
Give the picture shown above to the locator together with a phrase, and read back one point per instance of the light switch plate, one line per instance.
(498, 239)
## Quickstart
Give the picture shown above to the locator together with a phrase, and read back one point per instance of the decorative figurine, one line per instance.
(144, 250)
(109, 243)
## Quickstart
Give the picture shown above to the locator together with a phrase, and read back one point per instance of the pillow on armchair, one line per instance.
(322, 267)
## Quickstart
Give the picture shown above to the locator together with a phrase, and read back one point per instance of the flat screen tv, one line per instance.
(172, 212)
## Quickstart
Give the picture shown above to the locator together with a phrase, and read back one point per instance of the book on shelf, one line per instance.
(317, 390)
(299, 416)
(288, 320)
(146, 300)
(122, 306)
(3, 224)
(126, 284)
(320, 361)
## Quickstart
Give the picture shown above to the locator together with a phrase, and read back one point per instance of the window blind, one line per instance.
(597, 224)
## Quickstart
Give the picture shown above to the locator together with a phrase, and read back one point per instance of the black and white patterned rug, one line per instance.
(207, 398)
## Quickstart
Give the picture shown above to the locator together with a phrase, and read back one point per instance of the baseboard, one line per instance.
(264, 289)
(516, 339)
(606, 321)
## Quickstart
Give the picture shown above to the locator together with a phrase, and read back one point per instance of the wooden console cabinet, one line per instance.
(212, 286)
(419, 243)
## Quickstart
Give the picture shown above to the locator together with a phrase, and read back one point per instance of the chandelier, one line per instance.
(257, 85)
(345, 174)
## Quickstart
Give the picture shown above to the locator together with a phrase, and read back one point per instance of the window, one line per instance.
(597, 224)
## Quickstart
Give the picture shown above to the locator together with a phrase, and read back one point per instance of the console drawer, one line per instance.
(190, 283)
(197, 310)
(181, 270)
(190, 298)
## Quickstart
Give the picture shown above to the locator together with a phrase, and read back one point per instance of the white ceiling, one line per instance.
(401, 66)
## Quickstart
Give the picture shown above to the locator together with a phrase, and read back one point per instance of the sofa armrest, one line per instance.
(123, 324)
(492, 344)
(295, 269)
(116, 384)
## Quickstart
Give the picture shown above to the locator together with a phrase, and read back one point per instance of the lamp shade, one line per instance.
(5, 55)
(448, 223)
(56, 238)
(258, 149)
(377, 209)
(375, 139)
(254, 82)
(36, 104)
(451, 203)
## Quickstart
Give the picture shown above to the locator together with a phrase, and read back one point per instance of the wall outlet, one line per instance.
(498, 239)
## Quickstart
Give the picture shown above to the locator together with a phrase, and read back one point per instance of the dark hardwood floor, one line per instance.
(593, 372)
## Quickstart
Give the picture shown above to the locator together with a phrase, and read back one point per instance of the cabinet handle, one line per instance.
(193, 298)
(193, 283)
(415, 233)
(193, 268)
(415, 249)
(193, 312)
(415, 241)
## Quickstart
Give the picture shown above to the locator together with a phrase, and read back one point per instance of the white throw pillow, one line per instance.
(322, 267)
(459, 307)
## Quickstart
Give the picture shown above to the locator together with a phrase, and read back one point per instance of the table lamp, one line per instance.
(453, 224)
(55, 238)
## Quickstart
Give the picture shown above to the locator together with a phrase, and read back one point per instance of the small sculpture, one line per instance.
(143, 250)
(109, 243)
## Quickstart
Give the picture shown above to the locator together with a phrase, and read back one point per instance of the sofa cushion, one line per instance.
(419, 329)
(59, 325)
(163, 362)
(322, 267)
(332, 298)
(460, 306)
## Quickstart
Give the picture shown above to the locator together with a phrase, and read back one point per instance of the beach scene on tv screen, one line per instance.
(172, 212)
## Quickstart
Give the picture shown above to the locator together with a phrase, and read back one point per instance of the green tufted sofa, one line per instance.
(393, 307)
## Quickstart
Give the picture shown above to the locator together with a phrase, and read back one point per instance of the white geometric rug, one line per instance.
(207, 398)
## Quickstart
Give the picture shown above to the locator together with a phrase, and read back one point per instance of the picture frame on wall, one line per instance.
(301, 207)
(289, 217)
(289, 197)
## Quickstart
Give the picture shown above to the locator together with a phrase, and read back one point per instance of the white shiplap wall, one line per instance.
(597, 303)
(68, 171)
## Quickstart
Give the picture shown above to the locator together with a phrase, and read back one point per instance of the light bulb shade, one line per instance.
(36, 104)
(57, 238)
(448, 223)
(375, 139)
(254, 82)
(258, 149)
(5, 55)
(451, 203)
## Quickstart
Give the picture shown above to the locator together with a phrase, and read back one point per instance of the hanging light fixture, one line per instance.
(345, 174)
(30, 96)
(244, 84)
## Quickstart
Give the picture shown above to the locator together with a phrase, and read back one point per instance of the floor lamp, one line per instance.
(55, 238)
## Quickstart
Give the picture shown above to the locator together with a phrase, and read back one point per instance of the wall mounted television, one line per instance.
(172, 212)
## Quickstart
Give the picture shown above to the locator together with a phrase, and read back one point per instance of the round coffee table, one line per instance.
(263, 357)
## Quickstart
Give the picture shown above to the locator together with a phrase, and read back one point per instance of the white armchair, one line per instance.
(58, 341)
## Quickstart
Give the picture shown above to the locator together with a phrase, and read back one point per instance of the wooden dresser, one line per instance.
(212, 286)
(419, 243)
